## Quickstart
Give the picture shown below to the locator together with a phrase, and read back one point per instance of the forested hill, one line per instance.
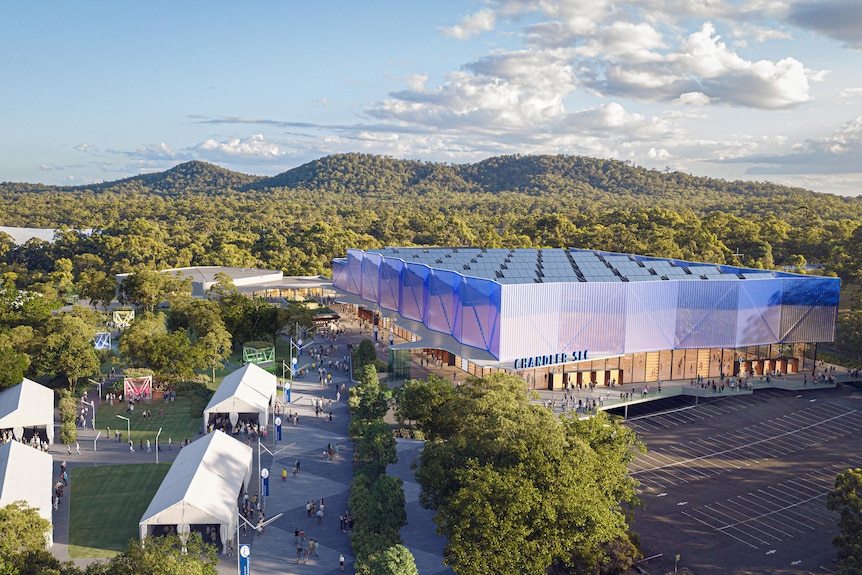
(568, 181)
(298, 221)
(569, 178)
(183, 179)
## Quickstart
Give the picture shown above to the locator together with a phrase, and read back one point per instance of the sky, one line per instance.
(751, 89)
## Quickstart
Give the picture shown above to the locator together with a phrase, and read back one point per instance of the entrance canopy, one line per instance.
(248, 390)
(27, 405)
(26, 474)
(202, 487)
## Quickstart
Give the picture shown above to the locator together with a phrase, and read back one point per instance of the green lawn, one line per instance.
(106, 504)
(176, 420)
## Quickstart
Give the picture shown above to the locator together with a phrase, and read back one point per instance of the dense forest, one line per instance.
(297, 221)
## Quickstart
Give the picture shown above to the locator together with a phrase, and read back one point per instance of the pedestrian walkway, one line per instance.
(321, 478)
(274, 552)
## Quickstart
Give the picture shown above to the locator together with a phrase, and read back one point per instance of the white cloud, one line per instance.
(481, 21)
(703, 54)
(703, 63)
(624, 40)
(253, 147)
(692, 99)
(160, 151)
(658, 154)
(417, 82)
(609, 116)
(760, 34)
(834, 154)
(848, 94)
(504, 91)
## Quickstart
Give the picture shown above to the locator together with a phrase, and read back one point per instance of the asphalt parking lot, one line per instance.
(738, 485)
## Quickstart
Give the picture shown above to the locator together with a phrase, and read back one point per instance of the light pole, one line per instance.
(98, 435)
(157, 445)
(261, 446)
(93, 407)
(293, 361)
(98, 385)
(243, 553)
(128, 427)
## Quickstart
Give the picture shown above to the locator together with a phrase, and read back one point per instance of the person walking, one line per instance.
(341, 562)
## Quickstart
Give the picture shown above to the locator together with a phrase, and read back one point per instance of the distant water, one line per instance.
(21, 235)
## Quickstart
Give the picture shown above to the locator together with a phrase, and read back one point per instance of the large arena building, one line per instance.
(568, 316)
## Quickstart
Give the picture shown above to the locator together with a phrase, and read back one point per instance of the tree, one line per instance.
(97, 286)
(162, 556)
(395, 560)
(23, 307)
(378, 503)
(426, 404)
(367, 401)
(42, 562)
(214, 348)
(375, 448)
(519, 508)
(68, 407)
(173, 355)
(12, 364)
(22, 529)
(137, 340)
(62, 275)
(148, 288)
(846, 499)
(68, 350)
(206, 330)
(362, 355)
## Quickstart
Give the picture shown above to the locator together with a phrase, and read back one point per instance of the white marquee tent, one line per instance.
(26, 474)
(248, 390)
(202, 487)
(27, 405)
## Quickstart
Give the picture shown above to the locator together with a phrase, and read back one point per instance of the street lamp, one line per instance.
(98, 384)
(128, 427)
(293, 361)
(243, 551)
(261, 476)
(98, 435)
(93, 407)
(157, 444)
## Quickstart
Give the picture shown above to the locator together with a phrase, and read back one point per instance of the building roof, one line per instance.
(249, 389)
(202, 484)
(27, 404)
(547, 265)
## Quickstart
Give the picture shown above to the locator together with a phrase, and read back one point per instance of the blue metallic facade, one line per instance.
(693, 306)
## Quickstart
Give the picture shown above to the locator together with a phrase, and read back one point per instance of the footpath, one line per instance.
(274, 552)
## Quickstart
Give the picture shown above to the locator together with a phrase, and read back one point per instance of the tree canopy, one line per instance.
(517, 486)
(846, 499)
(22, 529)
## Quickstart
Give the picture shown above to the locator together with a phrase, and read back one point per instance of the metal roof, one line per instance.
(524, 265)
